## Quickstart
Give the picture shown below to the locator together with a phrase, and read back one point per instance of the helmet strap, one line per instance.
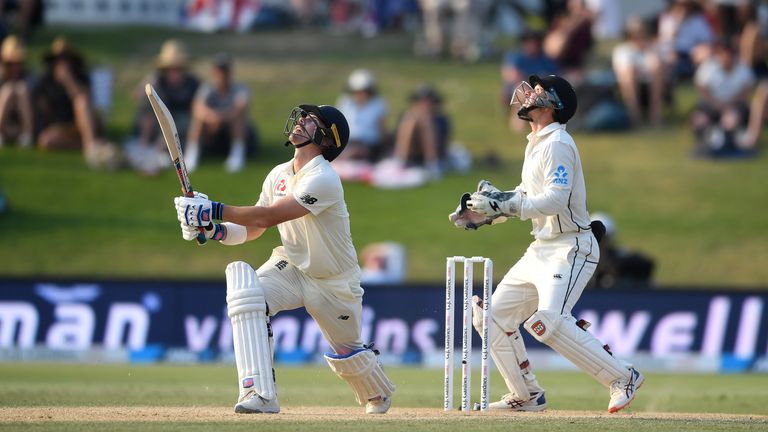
(299, 145)
(523, 113)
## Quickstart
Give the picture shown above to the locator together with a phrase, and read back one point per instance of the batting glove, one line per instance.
(212, 231)
(198, 210)
(495, 204)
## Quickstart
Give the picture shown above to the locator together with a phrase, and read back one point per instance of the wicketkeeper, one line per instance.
(541, 289)
(315, 268)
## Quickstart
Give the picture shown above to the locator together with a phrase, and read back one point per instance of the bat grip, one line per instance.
(200, 239)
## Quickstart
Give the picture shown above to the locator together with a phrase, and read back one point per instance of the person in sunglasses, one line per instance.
(315, 267)
(541, 289)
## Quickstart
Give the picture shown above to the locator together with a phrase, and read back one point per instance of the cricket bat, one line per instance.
(171, 138)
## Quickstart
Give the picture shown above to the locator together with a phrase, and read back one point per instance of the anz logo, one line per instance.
(561, 176)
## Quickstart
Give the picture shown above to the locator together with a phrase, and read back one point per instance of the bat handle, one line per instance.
(200, 239)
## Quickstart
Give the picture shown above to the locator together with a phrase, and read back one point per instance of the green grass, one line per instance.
(576, 402)
(702, 221)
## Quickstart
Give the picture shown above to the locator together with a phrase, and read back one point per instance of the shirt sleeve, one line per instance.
(558, 162)
(317, 192)
(264, 197)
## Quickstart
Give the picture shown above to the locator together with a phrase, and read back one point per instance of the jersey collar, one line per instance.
(317, 160)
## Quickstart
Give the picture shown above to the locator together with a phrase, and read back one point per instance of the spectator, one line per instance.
(383, 263)
(618, 267)
(15, 95)
(640, 73)
(518, 65)
(28, 14)
(607, 19)
(757, 115)
(220, 119)
(569, 41)
(423, 132)
(366, 113)
(62, 106)
(176, 86)
(753, 38)
(724, 85)
(466, 28)
(684, 36)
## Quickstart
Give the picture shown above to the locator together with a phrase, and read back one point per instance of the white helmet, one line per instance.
(361, 80)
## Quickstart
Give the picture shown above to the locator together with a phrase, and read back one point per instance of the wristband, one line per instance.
(217, 210)
(219, 233)
(234, 234)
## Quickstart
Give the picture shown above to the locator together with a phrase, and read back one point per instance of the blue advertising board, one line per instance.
(405, 321)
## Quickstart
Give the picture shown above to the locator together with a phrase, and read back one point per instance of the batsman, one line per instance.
(541, 289)
(315, 267)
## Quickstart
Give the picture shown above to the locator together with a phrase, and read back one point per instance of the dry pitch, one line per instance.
(315, 414)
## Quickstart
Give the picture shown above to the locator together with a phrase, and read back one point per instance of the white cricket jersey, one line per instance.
(319, 243)
(555, 197)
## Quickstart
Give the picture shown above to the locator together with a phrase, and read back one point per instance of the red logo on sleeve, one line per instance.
(280, 186)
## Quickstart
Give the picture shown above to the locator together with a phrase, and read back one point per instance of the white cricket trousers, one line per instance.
(551, 275)
(335, 304)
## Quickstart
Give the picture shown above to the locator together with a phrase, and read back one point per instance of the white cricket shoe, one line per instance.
(253, 403)
(623, 390)
(378, 406)
(235, 162)
(191, 156)
(535, 403)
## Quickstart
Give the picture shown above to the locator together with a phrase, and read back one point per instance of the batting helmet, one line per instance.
(564, 97)
(334, 136)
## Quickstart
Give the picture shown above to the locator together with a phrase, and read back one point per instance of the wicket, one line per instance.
(466, 343)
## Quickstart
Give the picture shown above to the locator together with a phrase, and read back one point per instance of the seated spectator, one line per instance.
(569, 40)
(684, 36)
(753, 37)
(383, 263)
(724, 86)
(176, 86)
(640, 73)
(220, 119)
(423, 132)
(518, 66)
(758, 113)
(453, 25)
(15, 95)
(62, 106)
(366, 113)
(618, 267)
(606, 17)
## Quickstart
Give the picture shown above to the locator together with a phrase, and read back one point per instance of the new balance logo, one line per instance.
(495, 206)
(558, 276)
(343, 317)
(281, 265)
(308, 199)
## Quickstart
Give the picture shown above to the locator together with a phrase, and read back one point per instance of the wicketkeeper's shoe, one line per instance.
(535, 403)
(623, 390)
(378, 406)
(252, 403)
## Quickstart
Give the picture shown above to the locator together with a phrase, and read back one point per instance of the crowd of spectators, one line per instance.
(414, 151)
(717, 48)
